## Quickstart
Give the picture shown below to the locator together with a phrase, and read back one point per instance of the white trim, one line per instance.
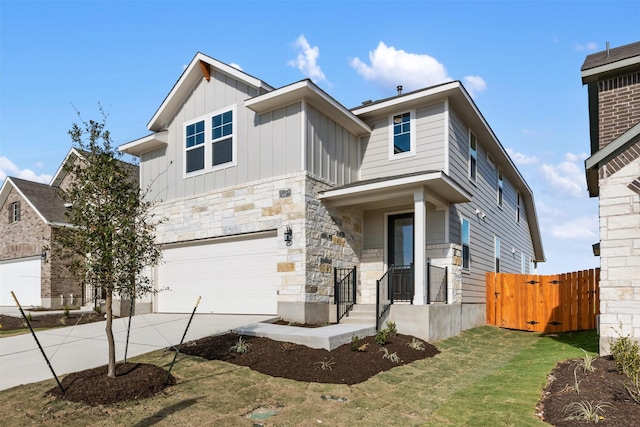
(447, 145)
(8, 181)
(407, 98)
(146, 143)
(61, 173)
(419, 245)
(208, 150)
(412, 136)
(592, 72)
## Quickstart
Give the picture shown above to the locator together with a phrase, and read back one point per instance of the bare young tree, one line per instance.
(112, 239)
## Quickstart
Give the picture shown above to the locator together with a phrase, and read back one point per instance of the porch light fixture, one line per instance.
(43, 255)
(288, 236)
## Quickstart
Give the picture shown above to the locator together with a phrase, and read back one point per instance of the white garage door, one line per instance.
(23, 278)
(232, 276)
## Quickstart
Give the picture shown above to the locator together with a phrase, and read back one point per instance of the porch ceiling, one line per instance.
(440, 189)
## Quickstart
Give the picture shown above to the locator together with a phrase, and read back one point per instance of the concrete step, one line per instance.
(361, 314)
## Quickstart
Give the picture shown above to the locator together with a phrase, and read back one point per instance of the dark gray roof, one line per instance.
(616, 54)
(46, 199)
(379, 101)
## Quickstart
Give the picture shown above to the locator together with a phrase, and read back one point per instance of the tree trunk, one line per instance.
(111, 373)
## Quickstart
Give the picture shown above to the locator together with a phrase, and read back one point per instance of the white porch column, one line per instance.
(420, 244)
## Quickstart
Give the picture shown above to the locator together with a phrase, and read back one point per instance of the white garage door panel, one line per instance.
(231, 276)
(23, 278)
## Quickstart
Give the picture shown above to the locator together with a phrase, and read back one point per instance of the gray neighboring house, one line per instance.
(613, 175)
(265, 191)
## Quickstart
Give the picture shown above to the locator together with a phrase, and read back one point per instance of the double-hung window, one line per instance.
(402, 135)
(210, 142)
(497, 254)
(14, 212)
(518, 204)
(500, 187)
(473, 156)
(466, 242)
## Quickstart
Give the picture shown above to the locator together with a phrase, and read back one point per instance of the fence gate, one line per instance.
(560, 303)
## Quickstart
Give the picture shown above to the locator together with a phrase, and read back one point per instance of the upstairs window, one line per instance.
(473, 157)
(523, 264)
(466, 243)
(14, 212)
(402, 135)
(212, 146)
(497, 254)
(518, 202)
(500, 187)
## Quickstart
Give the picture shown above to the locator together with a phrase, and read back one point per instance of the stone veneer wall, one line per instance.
(619, 255)
(449, 255)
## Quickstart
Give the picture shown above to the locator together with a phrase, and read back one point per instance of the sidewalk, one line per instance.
(75, 348)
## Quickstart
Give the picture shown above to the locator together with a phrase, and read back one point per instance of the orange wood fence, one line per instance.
(560, 303)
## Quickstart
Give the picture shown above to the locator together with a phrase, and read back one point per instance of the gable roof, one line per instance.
(43, 199)
(189, 78)
(61, 173)
(610, 61)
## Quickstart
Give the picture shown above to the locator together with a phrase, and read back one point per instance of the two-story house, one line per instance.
(265, 191)
(613, 175)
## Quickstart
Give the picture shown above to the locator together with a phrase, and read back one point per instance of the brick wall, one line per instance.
(619, 106)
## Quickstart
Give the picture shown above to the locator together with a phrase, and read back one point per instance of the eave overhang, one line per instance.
(4, 194)
(199, 68)
(607, 70)
(307, 90)
(146, 144)
(441, 191)
(601, 157)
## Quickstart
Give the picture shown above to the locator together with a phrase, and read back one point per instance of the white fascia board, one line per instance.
(610, 149)
(61, 173)
(191, 75)
(146, 143)
(306, 89)
(592, 73)
(3, 197)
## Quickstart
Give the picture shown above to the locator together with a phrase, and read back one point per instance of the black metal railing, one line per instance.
(384, 296)
(403, 283)
(437, 280)
(92, 294)
(344, 282)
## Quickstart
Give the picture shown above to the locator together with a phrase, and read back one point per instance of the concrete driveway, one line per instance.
(75, 348)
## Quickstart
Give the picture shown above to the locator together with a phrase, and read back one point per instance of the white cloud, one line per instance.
(521, 159)
(575, 158)
(587, 46)
(8, 168)
(390, 67)
(567, 178)
(585, 228)
(307, 60)
(236, 66)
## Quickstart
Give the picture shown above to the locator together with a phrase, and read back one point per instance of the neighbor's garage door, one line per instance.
(232, 276)
(21, 276)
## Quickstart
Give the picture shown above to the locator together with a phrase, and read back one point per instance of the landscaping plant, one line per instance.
(587, 411)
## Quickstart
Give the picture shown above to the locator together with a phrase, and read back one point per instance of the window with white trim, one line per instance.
(210, 142)
(465, 234)
(402, 135)
(500, 188)
(497, 254)
(523, 263)
(14, 212)
(518, 203)
(473, 156)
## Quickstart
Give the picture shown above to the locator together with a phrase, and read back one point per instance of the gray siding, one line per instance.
(430, 151)
(267, 145)
(332, 151)
(499, 221)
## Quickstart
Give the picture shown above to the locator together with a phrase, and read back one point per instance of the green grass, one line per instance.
(485, 376)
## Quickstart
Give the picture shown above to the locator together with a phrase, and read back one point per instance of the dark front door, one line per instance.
(400, 256)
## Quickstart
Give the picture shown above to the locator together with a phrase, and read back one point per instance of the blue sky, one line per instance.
(521, 61)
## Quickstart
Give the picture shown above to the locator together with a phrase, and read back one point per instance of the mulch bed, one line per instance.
(12, 323)
(605, 385)
(301, 363)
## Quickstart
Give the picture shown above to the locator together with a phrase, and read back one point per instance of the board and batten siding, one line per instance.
(267, 145)
(332, 151)
(430, 146)
(499, 221)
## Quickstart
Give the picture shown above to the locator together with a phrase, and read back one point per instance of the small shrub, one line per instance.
(62, 321)
(292, 323)
(586, 362)
(241, 347)
(381, 337)
(288, 346)
(29, 317)
(356, 346)
(416, 344)
(66, 311)
(326, 364)
(98, 309)
(391, 329)
(391, 356)
(626, 354)
(633, 388)
(585, 410)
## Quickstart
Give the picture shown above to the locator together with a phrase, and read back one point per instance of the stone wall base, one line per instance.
(307, 312)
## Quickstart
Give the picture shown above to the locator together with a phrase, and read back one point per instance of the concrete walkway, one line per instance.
(75, 348)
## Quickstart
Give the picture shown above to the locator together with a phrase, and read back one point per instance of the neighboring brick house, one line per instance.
(265, 191)
(613, 175)
(31, 261)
